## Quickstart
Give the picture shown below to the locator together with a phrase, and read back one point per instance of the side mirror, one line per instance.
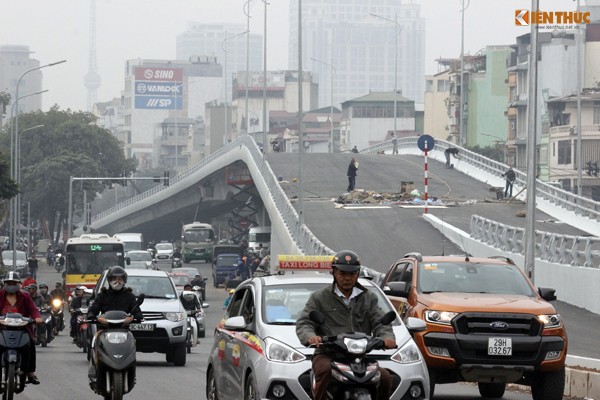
(388, 318)
(397, 289)
(127, 261)
(205, 305)
(547, 294)
(415, 325)
(154, 260)
(317, 317)
(140, 299)
(235, 323)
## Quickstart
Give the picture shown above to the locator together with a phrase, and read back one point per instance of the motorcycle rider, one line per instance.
(13, 300)
(58, 293)
(43, 291)
(348, 307)
(75, 302)
(190, 301)
(38, 300)
(197, 281)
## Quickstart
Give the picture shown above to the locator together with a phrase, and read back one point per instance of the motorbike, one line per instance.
(58, 321)
(44, 330)
(201, 290)
(192, 331)
(112, 366)
(14, 347)
(59, 261)
(81, 340)
(354, 376)
(176, 263)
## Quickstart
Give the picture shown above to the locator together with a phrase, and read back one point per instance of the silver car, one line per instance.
(256, 350)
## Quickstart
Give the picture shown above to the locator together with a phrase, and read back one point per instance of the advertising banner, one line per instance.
(158, 88)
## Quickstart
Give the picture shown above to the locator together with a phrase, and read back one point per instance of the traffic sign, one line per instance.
(425, 138)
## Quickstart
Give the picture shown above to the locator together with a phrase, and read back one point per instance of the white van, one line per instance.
(258, 235)
(131, 241)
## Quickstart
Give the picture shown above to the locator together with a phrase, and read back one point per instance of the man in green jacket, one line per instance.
(347, 307)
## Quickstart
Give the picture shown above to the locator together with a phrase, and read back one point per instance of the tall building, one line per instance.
(14, 61)
(360, 46)
(209, 40)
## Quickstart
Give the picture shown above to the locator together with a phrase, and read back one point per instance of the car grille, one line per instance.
(481, 323)
(152, 316)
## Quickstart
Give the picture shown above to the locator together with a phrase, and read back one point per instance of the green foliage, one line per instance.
(495, 153)
(8, 187)
(4, 101)
(69, 144)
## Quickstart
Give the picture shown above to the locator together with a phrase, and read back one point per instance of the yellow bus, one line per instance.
(87, 256)
(197, 241)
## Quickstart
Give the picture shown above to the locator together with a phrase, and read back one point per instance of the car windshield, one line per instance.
(472, 278)
(154, 287)
(198, 235)
(282, 304)
(227, 260)
(180, 280)
(164, 246)
(141, 256)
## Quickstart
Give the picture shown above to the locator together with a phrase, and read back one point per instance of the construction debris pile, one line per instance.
(361, 196)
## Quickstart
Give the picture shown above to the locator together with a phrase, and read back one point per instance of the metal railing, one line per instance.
(305, 240)
(582, 206)
(577, 251)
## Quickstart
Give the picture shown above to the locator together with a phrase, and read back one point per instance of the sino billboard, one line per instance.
(158, 88)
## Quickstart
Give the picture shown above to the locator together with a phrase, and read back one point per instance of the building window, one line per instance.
(564, 152)
(443, 85)
(597, 115)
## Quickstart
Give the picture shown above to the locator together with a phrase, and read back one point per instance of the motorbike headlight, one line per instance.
(408, 354)
(57, 303)
(116, 337)
(175, 316)
(550, 321)
(281, 352)
(439, 317)
(13, 322)
(356, 346)
(84, 310)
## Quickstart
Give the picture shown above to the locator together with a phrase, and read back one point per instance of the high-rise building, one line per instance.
(14, 61)
(360, 46)
(209, 40)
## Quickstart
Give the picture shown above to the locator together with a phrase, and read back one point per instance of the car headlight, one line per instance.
(116, 337)
(439, 317)
(356, 346)
(550, 321)
(281, 352)
(175, 316)
(409, 353)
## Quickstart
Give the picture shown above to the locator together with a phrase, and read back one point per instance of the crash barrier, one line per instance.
(304, 239)
(578, 251)
(545, 193)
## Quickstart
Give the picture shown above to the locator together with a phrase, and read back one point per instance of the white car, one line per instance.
(256, 354)
(164, 251)
(140, 259)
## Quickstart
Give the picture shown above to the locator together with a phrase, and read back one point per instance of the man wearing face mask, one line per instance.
(116, 297)
(13, 300)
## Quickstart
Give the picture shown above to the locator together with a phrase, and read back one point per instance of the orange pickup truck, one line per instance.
(486, 323)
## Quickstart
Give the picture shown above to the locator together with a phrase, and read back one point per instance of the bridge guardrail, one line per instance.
(577, 251)
(303, 237)
(582, 206)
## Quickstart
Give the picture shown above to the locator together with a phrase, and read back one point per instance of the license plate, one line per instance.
(499, 346)
(141, 327)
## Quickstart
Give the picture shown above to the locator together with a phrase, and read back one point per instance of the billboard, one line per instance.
(158, 88)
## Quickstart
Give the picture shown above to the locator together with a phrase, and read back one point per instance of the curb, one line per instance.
(582, 377)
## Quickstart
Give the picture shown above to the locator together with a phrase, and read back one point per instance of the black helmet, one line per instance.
(115, 272)
(346, 261)
(12, 276)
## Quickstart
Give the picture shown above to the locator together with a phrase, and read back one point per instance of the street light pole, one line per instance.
(332, 71)
(395, 21)
(265, 118)
(247, 12)
(300, 117)
(224, 47)
(579, 138)
(462, 139)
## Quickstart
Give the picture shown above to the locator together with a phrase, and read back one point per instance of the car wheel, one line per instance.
(250, 392)
(431, 383)
(211, 386)
(179, 354)
(491, 390)
(548, 385)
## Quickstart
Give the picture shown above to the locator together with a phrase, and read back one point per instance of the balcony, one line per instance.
(567, 130)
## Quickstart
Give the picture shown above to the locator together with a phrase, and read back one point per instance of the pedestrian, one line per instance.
(32, 263)
(394, 144)
(355, 150)
(510, 179)
(448, 152)
(352, 172)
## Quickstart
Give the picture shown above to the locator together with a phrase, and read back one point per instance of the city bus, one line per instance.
(197, 241)
(87, 256)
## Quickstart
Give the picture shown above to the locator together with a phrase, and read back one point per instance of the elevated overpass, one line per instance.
(383, 233)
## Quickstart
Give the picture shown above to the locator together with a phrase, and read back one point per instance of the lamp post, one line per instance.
(332, 72)
(224, 47)
(300, 117)
(247, 12)
(395, 21)
(15, 132)
(265, 118)
(462, 134)
(500, 140)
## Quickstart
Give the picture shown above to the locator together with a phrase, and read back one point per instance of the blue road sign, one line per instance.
(425, 138)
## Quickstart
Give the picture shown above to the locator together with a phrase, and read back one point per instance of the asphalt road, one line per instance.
(62, 367)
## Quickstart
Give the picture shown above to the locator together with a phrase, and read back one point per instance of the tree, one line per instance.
(69, 144)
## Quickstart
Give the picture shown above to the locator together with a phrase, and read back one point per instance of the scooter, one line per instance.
(56, 311)
(44, 330)
(14, 346)
(81, 340)
(192, 331)
(176, 263)
(112, 366)
(201, 290)
(354, 375)
(59, 262)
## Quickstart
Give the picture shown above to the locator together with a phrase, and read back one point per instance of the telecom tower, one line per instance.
(92, 79)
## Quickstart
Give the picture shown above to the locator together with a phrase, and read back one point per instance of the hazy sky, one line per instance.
(58, 29)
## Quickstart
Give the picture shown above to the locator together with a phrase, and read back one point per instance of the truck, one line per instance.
(257, 236)
(131, 241)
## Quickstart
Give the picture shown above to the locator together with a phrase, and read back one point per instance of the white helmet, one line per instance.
(187, 295)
